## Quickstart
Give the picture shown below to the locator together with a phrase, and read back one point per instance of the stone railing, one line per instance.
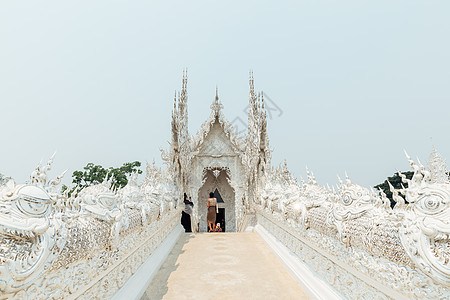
(87, 246)
(356, 243)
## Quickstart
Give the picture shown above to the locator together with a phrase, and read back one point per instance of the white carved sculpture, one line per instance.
(52, 244)
(426, 231)
(406, 249)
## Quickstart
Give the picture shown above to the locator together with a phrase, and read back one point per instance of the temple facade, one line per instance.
(218, 159)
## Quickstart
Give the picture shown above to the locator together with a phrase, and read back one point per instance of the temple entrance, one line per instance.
(220, 218)
(216, 180)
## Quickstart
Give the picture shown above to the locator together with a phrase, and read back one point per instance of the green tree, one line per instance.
(94, 174)
(396, 182)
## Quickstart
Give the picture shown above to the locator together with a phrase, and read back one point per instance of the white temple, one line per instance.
(217, 158)
(341, 242)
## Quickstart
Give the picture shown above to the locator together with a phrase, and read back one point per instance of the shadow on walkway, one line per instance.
(159, 286)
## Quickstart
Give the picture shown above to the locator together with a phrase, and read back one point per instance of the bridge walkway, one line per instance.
(222, 266)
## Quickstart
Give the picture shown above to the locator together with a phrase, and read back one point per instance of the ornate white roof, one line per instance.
(217, 115)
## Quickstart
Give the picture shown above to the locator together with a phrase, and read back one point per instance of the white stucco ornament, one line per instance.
(406, 250)
(426, 230)
(52, 244)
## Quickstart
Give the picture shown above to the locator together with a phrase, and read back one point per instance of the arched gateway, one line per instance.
(218, 159)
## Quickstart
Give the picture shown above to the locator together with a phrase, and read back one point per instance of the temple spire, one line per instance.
(175, 101)
(180, 146)
(251, 83)
(263, 117)
(216, 106)
(184, 84)
(253, 133)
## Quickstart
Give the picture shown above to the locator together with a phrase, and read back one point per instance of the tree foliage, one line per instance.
(94, 174)
(396, 182)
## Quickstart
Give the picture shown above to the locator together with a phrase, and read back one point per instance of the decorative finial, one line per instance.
(340, 180)
(347, 179)
(251, 81)
(216, 106)
(433, 148)
(184, 81)
(437, 167)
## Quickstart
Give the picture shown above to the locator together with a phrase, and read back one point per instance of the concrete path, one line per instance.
(222, 266)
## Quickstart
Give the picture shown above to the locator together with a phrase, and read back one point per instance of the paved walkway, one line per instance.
(222, 266)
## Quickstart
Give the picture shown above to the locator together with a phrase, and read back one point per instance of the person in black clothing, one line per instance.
(186, 214)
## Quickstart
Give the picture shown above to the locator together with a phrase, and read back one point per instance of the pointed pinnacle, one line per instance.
(418, 161)
(391, 188)
(406, 153)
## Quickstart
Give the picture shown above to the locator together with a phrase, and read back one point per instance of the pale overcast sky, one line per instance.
(356, 82)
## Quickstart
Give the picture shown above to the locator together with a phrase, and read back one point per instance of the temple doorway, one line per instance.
(220, 218)
(216, 180)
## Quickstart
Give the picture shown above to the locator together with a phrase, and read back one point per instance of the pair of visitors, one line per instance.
(213, 209)
(186, 213)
